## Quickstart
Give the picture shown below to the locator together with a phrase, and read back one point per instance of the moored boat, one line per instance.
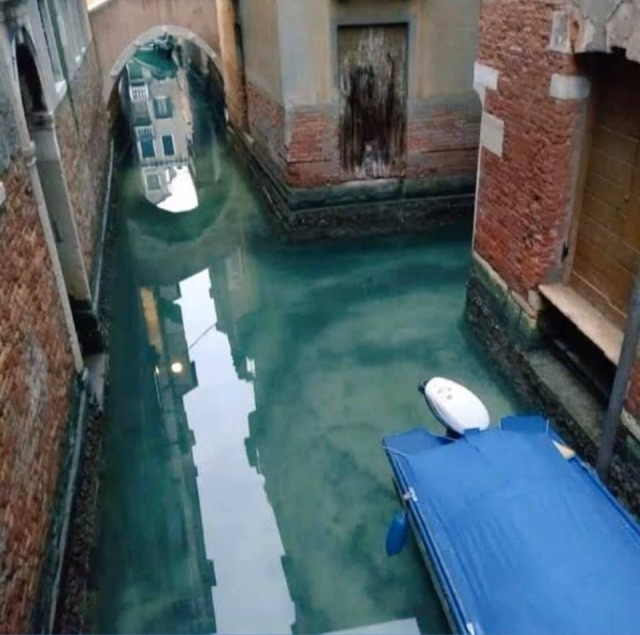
(519, 534)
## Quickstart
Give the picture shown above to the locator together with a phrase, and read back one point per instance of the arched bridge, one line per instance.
(120, 27)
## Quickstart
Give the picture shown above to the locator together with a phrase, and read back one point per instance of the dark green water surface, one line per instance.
(251, 382)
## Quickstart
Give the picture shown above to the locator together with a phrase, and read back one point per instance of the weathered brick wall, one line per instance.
(83, 135)
(36, 368)
(441, 141)
(266, 125)
(524, 197)
(312, 150)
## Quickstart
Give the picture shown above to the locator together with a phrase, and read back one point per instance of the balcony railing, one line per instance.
(160, 162)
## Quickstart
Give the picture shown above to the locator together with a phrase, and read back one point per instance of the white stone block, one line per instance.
(569, 86)
(486, 76)
(492, 133)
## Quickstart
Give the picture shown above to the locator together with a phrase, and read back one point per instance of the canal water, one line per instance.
(251, 381)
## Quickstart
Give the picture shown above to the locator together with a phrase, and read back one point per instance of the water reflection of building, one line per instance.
(235, 294)
(319, 475)
(163, 578)
(156, 92)
(190, 572)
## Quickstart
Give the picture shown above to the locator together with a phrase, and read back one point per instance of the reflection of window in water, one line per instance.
(147, 149)
(234, 265)
(139, 93)
(168, 146)
(153, 182)
(162, 107)
(144, 132)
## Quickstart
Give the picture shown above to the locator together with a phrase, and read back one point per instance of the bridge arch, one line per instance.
(121, 27)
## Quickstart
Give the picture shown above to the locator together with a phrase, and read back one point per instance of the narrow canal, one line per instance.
(251, 382)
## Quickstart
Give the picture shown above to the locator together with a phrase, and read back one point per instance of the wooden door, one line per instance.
(607, 252)
(373, 96)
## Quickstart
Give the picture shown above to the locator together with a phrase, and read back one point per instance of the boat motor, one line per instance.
(454, 406)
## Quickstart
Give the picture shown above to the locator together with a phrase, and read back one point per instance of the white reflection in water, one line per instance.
(182, 195)
(241, 534)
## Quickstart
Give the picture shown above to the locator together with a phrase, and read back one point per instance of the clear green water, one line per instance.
(251, 382)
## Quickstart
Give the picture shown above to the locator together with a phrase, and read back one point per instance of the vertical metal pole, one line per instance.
(621, 381)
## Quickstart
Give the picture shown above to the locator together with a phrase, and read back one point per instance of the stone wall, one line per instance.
(36, 370)
(82, 127)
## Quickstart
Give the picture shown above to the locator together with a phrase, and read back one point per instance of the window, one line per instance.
(167, 146)
(163, 107)
(49, 38)
(144, 132)
(139, 93)
(153, 182)
(147, 149)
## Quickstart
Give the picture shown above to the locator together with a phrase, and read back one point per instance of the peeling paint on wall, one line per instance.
(583, 26)
(373, 96)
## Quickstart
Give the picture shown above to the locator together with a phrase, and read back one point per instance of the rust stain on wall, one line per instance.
(373, 122)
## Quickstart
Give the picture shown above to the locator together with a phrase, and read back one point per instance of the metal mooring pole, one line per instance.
(621, 381)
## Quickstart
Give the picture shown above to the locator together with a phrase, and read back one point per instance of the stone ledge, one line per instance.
(586, 318)
(547, 386)
(566, 87)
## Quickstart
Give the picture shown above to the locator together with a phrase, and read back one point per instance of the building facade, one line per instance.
(353, 111)
(557, 242)
(53, 167)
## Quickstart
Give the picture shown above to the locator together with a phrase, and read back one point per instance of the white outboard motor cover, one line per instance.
(455, 406)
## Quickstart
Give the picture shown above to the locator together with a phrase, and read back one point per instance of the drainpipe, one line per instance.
(620, 383)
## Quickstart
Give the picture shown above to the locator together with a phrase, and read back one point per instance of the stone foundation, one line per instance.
(545, 383)
(358, 207)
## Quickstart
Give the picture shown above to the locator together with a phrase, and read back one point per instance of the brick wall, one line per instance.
(266, 125)
(82, 127)
(36, 368)
(442, 141)
(525, 196)
(305, 149)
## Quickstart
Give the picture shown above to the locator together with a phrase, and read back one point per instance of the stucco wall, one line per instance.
(260, 30)
(442, 45)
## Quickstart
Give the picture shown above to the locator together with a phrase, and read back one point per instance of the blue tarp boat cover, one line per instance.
(522, 540)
